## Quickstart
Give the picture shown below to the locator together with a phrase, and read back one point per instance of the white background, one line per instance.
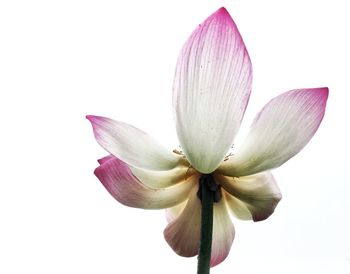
(61, 60)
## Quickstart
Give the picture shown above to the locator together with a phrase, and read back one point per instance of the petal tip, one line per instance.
(93, 119)
(325, 92)
(222, 15)
(321, 92)
(222, 11)
(262, 217)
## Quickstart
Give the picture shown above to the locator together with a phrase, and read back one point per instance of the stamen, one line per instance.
(188, 171)
(228, 156)
(179, 152)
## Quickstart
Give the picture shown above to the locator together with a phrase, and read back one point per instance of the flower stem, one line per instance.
(206, 194)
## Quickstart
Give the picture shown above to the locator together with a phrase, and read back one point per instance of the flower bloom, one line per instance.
(212, 86)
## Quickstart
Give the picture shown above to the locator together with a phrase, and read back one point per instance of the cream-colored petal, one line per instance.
(253, 197)
(183, 233)
(223, 233)
(163, 178)
(183, 230)
(173, 212)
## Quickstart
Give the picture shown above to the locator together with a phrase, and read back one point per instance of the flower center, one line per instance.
(208, 181)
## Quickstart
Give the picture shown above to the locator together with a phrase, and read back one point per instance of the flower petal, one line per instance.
(163, 178)
(105, 159)
(223, 234)
(183, 231)
(158, 178)
(173, 212)
(118, 179)
(253, 197)
(132, 145)
(281, 129)
(211, 90)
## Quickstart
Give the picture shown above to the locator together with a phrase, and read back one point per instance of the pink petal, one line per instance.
(105, 159)
(281, 129)
(132, 145)
(251, 197)
(211, 90)
(118, 179)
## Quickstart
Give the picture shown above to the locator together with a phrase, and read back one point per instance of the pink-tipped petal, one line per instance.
(252, 197)
(132, 145)
(118, 179)
(281, 129)
(223, 234)
(183, 233)
(158, 179)
(211, 90)
(105, 159)
(183, 230)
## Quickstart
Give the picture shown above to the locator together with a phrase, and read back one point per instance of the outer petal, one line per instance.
(282, 128)
(128, 190)
(183, 231)
(223, 234)
(132, 145)
(211, 90)
(253, 197)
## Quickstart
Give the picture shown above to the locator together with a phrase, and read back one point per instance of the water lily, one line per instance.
(211, 90)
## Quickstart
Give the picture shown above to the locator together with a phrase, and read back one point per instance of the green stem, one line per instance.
(206, 195)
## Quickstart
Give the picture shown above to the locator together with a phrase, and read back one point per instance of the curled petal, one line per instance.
(118, 179)
(132, 145)
(159, 178)
(163, 178)
(281, 129)
(211, 90)
(251, 197)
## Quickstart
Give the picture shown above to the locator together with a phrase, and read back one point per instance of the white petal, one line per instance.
(223, 234)
(211, 90)
(132, 145)
(118, 179)
(282, 128)
(251, 197)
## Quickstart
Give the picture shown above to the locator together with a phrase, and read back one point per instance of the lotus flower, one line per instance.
(211, 90)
